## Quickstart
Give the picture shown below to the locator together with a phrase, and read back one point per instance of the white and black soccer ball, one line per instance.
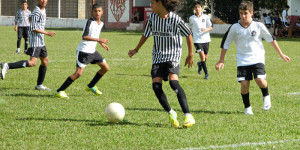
(115, 112)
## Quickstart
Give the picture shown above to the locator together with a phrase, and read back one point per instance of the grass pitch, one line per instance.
(32, 119)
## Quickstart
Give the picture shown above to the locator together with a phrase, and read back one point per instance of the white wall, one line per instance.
(294, 7)
(141, 3)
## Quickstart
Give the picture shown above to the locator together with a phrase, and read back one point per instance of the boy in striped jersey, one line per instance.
(201, 25)
(87, 53)
(166, 28)
(22, 25)
(37, 46)
(250, 54)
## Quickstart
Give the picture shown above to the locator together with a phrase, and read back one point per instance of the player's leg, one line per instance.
(244, 75)
(174, 83)
(25, 35)
(42, 74)
(20, 34)
(205, 47)
(60, 92)
(260, 79)
(199, 50)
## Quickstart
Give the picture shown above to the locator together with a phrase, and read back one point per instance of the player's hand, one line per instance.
(219, 66)
(16, 29)
(51, 33)
(203, 29)
(104, 46)
(285, 58)
(189, 61)
(132, 52)
(105, 41)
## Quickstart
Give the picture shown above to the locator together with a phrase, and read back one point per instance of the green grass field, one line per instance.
(31, 119)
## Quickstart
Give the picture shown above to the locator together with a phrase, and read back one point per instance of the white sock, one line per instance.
(187, 114)
(171, 111)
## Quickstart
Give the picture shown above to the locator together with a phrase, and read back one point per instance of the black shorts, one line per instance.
(163, 70)
(37, 52)
(245, 72)
(83, 59)
(23, 32)
(202, 47)
(285, 24)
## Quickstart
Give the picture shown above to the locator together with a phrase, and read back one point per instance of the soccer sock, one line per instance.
(26, 44)
(264, 91)
(161, 96)
(42, 74)
(66, 84)
(246, 100)
(96, 78)
(18, 42)
(203, 64)
(180, 95)
(18, 64)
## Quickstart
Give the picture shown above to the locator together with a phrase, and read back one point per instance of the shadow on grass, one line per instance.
(95, 122)
(120, 74)
(29, 95)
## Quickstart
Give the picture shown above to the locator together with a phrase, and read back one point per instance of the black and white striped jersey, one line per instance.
(22, 18)
(38, 21)
(167, 37)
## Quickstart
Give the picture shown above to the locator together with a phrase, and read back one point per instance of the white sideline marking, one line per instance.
(296, 93)
(241, 145)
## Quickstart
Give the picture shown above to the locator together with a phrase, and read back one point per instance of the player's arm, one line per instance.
(220, 63)
(189, 59)
(102, 42)
(49, 33)
(140, 44)
(276, 47)
(16, 26)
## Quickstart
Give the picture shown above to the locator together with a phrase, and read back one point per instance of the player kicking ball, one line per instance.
(166, 28)
(250, 54)
(86, 53)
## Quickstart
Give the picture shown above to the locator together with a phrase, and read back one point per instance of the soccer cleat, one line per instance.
(94, 90)
(267, 102)
(42, 87)
(199, 67)
(188, 121)
(206, 77)
(173, 119)
(248, 111)
(4, 68)
(62, 94)
(17, 51)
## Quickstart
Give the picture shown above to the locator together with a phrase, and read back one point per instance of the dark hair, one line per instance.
(246, 5)
(197, 3)
(24, 1)
(287, 6)
(265, 14)
(96, 6)
(170, 5)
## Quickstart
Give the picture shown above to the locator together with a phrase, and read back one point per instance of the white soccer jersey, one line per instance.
(22, 18)
(284, 13)
(196, 24)
(38, 21)
(167, 37)
(248, 41)
(91, 29)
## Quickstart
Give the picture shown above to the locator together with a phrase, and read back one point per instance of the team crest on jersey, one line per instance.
(253, 33)
(169, 27)
(203, 20)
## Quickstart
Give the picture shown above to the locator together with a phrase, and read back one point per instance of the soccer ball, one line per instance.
(115, 112)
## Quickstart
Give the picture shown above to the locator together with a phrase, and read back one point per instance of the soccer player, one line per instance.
(86, 53)
(166, 28)
(22, 25)
(201, 25)
(37, 47)
(286, 21)
(250, 54)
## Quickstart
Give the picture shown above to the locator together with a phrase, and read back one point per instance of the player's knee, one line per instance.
(77, 75)
(174, 84)
(157, 86)
(32, 63)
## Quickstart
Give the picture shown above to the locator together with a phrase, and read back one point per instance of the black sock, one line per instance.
(26, 44)
(264, 91)
(180, 95)
(96, 78)
(66, 84)
(19, 42)
(42, 74)
(161, 96)
(246, 100)
(203, 64)
(18, 64)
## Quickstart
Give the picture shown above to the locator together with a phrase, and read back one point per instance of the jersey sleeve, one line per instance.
(86, 29)
(17, 17)
(184, 30)
(34, 19)
(208, 22)
(266, 34)
(190, 23)
(148, 28)
(228, 38)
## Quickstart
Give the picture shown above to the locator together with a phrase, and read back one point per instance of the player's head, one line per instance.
(169, 5)
(265, 14)
(197, 5)
(287, 7)
(246, 11)
(42, 3)
(24, 4)
(97, 11)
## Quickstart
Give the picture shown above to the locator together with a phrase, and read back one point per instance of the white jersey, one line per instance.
(268, 20)
(91, 29)
(284, 14)
(196, 24)
(22, 18)
(38, 22)
(248, 41)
